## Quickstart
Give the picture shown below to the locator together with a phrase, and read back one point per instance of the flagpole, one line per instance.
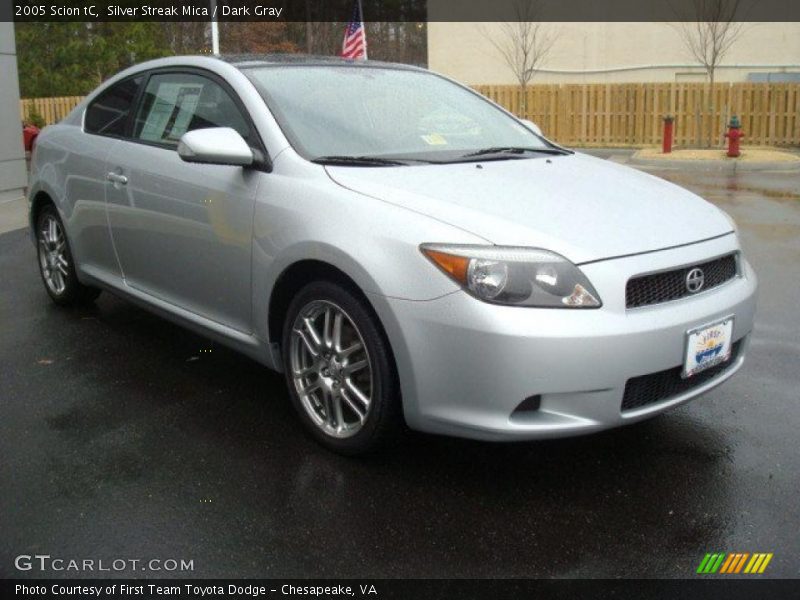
(215, 29)
(363, 28)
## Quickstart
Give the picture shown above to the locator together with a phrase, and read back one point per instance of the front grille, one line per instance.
(664, 385)
(671, 285)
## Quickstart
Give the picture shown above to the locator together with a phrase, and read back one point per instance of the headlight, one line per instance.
(515, 276)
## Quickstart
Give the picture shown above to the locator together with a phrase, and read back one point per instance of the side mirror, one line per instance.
(532, 126)
(216, 146)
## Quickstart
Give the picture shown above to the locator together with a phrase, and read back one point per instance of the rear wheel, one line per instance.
(55, 261)
(339, 369)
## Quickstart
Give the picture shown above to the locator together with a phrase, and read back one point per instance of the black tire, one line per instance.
(73, 292)
(383, 421)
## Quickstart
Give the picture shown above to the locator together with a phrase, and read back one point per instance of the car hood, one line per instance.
(581, 207)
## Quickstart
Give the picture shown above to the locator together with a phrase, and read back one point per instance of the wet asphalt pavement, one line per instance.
(123, 436)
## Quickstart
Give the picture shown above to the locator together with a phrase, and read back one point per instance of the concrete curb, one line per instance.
(719, 166)
(13, 215)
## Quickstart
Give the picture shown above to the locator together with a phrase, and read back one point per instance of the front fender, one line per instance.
(376, 244)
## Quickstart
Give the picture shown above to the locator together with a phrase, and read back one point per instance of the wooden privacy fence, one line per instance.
(625, 114)
(632, 113)
(51, 110)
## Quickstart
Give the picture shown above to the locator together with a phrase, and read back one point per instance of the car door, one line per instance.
(82, 155)
(182, 230)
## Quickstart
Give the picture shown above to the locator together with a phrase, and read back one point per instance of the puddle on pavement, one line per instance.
(734, 186)
(766, 192)
(774, 231)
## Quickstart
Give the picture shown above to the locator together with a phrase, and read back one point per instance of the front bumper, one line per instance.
(466, 365)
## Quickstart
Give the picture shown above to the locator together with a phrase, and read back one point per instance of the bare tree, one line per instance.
(710, 36)
(524, 43)
(713, 33)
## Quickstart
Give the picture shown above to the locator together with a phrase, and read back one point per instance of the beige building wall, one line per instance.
(13, 175)
(610, 52)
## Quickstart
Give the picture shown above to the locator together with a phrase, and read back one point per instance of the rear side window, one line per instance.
(108, 113)
(174, 103)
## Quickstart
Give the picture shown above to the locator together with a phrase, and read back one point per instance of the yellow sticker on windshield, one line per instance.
(434, 139)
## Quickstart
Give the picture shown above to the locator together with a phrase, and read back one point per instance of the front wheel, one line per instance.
(340, 370)
(56, 265)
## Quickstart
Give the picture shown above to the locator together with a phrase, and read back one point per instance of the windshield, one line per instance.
(380, 113)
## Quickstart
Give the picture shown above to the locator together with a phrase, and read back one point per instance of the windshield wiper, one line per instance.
(515, 150)
(374, 161)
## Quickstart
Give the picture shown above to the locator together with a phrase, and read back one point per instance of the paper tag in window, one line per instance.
(434, 139)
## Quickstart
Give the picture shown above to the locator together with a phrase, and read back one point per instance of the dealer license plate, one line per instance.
(708, 346)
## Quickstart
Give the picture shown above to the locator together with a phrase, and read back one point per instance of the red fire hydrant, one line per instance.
(734, 135)
(666, 145)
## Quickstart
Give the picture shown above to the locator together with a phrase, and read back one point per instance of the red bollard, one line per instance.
(734, 135)
(666, 146)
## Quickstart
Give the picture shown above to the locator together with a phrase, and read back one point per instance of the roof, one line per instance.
(254, 60)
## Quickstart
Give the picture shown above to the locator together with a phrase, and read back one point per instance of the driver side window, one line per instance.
(108, 113)
(174, 103)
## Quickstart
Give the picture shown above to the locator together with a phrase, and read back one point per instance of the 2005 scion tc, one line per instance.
(404, 250)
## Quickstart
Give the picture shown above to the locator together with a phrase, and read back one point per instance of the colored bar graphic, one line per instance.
(734, 562)
(741, 562)
(730, 561)
(755, 563)
(703, 563)
(749, 566)
(714, 563)
(765, 563)
(710, 563)
(717, 564)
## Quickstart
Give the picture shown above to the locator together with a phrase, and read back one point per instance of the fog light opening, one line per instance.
(530, 404)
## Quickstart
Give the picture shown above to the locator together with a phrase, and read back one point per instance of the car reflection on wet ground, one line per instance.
(123, 435)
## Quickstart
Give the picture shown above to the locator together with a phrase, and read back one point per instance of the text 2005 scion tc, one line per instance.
(404, 250)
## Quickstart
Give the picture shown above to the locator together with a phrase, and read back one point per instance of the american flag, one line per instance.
(355, 38)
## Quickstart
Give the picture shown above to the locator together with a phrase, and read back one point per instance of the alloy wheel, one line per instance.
(331, 368)
(53, 255)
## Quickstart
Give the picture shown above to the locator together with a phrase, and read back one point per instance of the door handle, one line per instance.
(117, 178)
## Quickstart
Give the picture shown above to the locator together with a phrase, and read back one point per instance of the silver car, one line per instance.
(404, 250)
